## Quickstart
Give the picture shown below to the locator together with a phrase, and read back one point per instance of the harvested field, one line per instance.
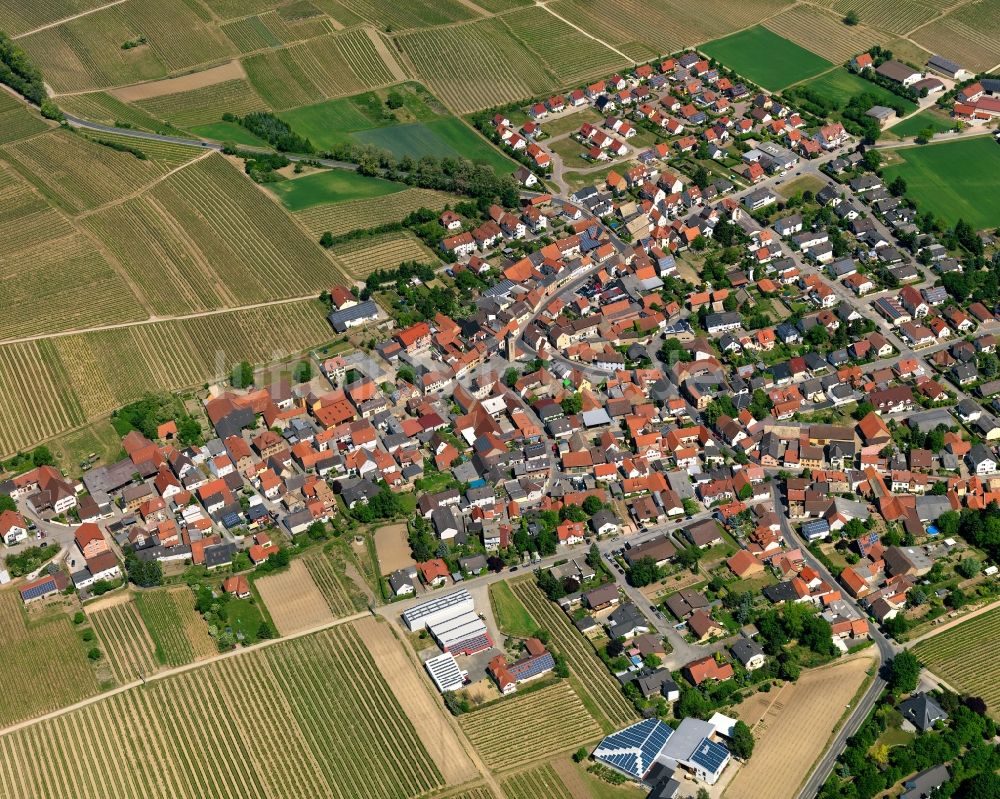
(553, 717)
(358, 259)
(584, 664)
(343, 217)
(293, 600)
(113, 367)
(224, 73)
(329, 573)
(126, 642)
(46, 660)
(788, 739)
(964, 657)
(536, 782)
(178, 633)
(323, 724)
(433, 726)
(393, 548)
(822, 33)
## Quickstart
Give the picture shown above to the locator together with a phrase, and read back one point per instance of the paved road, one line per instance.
(886, 650)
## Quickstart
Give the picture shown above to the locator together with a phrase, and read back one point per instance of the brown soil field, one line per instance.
(196, 80)
(752, 710)
(795, 729)
(426, 713)
(393, 548)
(293, 600)
(109, 601)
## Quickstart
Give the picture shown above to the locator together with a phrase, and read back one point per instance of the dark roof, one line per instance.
(922, 711)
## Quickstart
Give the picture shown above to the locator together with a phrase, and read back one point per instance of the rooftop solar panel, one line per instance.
(710, 755)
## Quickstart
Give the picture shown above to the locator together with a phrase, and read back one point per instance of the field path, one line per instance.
(177, 670)
(953, 623)
(59, 22)
(444, 739)
(154, 319)
(628, 59)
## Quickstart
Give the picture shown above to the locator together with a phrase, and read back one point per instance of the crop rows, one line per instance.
(970, 35)
(898, 16)
(475, 66)
(658, 26)
(570, 54)
(102, 107)
(252, 33)
(127, 645)
(580, 656)
(19, 123)
(171, 620)
(964, 656)
(360, 258)
(280, 80)
(411, 14)
(167, 153)
(46, 664)
(176, 33)
(337, 588)
(35, 401)
(553, 719)
(206, 104)
(535, 782)
(361, 53)
(822, 33)
(344, 217)
(474, 793)
(77, 173)
(16, 18)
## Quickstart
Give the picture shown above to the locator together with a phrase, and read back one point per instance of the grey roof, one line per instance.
(920, 786)
(922, 711)
(744, 650)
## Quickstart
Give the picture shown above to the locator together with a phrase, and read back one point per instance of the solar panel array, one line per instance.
(532, 667)
(35, 591)
(634, 749)
(710, 755)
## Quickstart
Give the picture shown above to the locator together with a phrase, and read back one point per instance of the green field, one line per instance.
(955, 180)
(178, 633)
(925, 119)
(414, 130)
(766, 58)
(228, 132)
(333, 186)
(443, 137)
(511, 615)
(840, 86)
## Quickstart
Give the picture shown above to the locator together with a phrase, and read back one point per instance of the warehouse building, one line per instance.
(461, 634)
(445, 673)
(438, 609)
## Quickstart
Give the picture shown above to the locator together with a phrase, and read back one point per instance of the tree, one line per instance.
(924, 135)
(303, 372)
(510, 377)
(968, 567)
(594, 557)
(394, 100)
(872, 160)
(956, 599)
(982, 786)
(6, 503)
(580, 755)
(264, 631)
(572, 512)
(242, 375)
(79, 618)
(572, 404)
(94, 653)
(406, 374)
(643, 572)
(592, 505)
(741, 742)
(897, 187)
(326, 240)
(703, 794)
(904, 673)
(700, 177)
(851, 18)
(144, 573)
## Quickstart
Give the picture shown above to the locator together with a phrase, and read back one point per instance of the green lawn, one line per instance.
(956, 179)
(244, 617)
(840, 86)
(226, 132)
(447, 136)
(421, 131)
(332, 186)
(766, 58)
(512, 617)
(930, 118)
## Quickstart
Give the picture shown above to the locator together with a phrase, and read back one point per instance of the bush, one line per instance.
(87, 635)
(94, 653)
(79, 618)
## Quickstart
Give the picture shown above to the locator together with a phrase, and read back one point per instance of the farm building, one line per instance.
(44, 586)
(445, 673)
(438, 609)
(635, 750)
(463, 633)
